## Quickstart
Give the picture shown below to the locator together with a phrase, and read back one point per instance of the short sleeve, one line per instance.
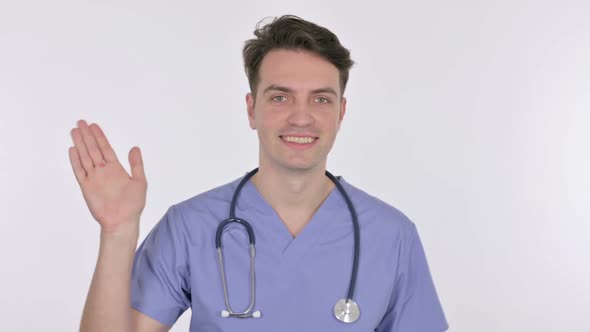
(415, 306)
(160, 286)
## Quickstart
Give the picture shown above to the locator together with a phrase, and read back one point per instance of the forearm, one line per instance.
(108, 305)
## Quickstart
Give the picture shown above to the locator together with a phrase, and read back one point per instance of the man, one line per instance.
(304, 234)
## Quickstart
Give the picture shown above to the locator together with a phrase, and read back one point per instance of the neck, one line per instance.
(292, 189)
(294, 195)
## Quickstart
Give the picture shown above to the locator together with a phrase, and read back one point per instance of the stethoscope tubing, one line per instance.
(252, 240)
(355, 225)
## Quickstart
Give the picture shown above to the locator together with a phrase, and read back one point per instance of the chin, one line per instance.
(300, 166)
(292, 163)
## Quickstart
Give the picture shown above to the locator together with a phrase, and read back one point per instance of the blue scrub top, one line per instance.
(298, 280)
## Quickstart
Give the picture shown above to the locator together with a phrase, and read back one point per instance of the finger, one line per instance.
(79, 171)
(91, 145)
(103, 143)
(82, 152)
(136, 162)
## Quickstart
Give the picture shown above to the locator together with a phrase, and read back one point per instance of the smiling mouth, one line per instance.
(298, 140)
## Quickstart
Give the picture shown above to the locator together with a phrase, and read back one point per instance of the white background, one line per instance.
(472, 117)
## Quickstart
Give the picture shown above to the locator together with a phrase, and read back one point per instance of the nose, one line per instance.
(301, 115)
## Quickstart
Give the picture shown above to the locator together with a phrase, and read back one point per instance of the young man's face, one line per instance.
(297, 111)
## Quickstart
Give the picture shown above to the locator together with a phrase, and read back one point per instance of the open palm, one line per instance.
(115, 199)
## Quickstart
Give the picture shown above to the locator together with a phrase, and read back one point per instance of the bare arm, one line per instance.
(116, 201)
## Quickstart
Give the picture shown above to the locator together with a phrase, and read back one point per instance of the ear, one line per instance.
(250, 107)
(342, 111)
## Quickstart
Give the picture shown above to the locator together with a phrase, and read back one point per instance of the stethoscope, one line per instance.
(345, 310)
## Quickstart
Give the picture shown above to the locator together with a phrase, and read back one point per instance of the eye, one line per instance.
(279, 98)
(322, 100)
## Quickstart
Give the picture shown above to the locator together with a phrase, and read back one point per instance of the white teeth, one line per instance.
(300, 140)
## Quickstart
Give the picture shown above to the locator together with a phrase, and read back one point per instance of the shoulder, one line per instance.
(220, 195)
(202, 211)
(217, 197)
(373, 211)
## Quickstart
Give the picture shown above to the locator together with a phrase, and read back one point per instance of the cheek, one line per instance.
(267, 124)
(331, 121)
(254, 124)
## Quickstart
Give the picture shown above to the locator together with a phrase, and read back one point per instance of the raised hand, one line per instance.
(114, 198)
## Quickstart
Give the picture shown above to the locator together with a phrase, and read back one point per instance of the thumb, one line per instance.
(136, 162)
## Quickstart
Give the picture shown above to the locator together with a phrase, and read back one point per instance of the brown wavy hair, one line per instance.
(294, 33)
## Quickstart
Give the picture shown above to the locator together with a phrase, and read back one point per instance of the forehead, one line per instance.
(299, 70)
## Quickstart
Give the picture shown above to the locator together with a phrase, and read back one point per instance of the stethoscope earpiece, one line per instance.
(255, 314)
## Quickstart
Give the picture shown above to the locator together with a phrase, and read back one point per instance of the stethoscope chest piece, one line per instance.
(346, 311)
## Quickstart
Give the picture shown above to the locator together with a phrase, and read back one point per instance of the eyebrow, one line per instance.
(273, 87)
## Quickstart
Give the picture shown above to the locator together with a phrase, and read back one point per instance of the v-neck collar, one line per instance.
(325, 216)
